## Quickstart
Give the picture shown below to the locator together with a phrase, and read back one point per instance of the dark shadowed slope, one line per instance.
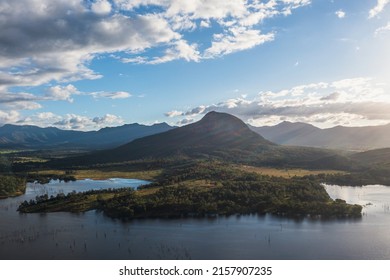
(215, 133)
(372, 157)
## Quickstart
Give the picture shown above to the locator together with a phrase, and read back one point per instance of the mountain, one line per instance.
(339, 137)
(33, 137)
(216, 135)
(373, 157)
(28, 136)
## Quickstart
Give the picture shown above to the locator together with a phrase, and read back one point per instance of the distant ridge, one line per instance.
(339, 137)
(34, 137)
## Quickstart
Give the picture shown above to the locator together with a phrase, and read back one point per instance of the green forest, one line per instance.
(11, 186)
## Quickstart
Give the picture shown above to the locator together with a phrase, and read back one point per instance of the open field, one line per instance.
(153, 174)
(104, 174)
(286, 173)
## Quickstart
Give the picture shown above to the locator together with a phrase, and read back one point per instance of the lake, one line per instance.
(92, 235)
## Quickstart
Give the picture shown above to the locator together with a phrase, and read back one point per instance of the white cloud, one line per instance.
(101, 7)
(205, 24)
(107, 119)
(135, 60)
(19, 101)
(68, 121)
(382, 29)
(195, 111)
(56, 40)
(349, 102)
(9, 117)
(180, 49)
(111, 95)
(340, 14)
(172, 114)
(62, 93)
(237, 39)
(77, 122)
(10, 101)
(380, 6)
(331, 97)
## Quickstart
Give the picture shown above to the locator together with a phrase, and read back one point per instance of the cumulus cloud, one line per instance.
(19, 101)
(340, 14)
(185, 121)
(61, 93)
(107, 119)
(52, 43)
(180, 49)
(29, 101)
(349, 102)
(331, 97)
(172, 114)
(101, 7)
(111, 95)
(380, 6)
(77, 122)
(11, 103)
(382, 29)
(56, 40)
(9, 117)
(195, 111)
(237, 39)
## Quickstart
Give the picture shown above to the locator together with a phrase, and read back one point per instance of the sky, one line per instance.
(88, 64)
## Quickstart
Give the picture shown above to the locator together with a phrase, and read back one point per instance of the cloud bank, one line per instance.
(357, 101)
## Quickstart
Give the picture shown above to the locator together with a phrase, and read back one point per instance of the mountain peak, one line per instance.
(219, 116)
(221, 122)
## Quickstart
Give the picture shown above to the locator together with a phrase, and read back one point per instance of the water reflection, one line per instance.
(373, 198)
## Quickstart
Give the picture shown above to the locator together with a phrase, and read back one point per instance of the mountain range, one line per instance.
(339, 137)
(34, 137)
(285, 133)
(216, 136)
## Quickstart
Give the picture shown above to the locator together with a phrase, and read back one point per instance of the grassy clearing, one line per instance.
(196, 184)
(147, 191)
(286, 172)
(29, 159)
(6, 152)
(104, 174)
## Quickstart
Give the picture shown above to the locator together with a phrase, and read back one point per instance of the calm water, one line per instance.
(91, 235)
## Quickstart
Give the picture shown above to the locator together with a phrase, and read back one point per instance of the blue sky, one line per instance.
(84, 65)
